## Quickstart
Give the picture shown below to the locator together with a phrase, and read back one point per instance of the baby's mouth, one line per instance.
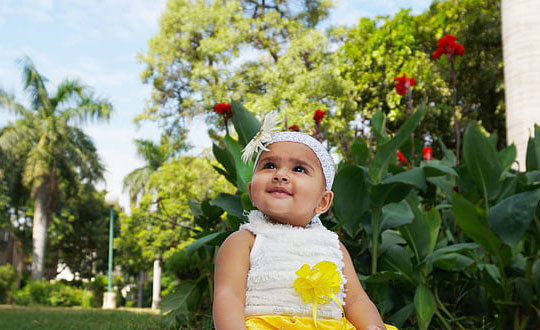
(279, 191)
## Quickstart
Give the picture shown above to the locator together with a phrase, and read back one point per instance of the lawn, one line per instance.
(62, 318)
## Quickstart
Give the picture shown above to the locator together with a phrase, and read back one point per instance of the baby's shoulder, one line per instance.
(240, 238)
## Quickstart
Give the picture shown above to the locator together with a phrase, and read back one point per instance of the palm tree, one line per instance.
(50, 145)
(520, 30)
(136, 183)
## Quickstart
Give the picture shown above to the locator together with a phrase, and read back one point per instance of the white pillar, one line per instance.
(156, 284)
(521, 53)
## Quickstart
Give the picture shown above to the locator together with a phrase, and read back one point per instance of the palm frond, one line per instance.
(8, 101)
(135, 183)
(34, 85)
(67, 91)
(88, 107)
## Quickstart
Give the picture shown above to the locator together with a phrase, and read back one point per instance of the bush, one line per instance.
(53, 294)
(8, 278)
(97, 287)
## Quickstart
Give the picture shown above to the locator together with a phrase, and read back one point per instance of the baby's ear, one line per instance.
(325, 202)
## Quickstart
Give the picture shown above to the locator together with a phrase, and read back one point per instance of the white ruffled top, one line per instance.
(278, 252)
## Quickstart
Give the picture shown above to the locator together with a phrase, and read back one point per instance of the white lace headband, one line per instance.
(265, 137)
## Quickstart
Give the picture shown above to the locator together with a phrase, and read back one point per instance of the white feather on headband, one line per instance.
(269, 125)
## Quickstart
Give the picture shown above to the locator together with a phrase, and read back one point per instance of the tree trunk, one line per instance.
(140, 285)
(156, 284)
(521, 51)
(39, 231)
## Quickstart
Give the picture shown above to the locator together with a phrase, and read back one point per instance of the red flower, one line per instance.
(318, 116)
(403, 84)
(400, 156)
(223, 109)
(294, 128)
(427, 152)
(448, 45)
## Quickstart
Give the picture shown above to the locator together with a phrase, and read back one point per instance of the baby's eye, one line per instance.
(269, 165)
(299, 169)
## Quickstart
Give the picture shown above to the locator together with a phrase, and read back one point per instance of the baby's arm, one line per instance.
(359, 309)
(232, 265)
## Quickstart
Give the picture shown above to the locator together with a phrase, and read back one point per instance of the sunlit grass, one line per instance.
(60, 318)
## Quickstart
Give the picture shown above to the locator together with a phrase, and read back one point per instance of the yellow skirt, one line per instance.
(284, 322)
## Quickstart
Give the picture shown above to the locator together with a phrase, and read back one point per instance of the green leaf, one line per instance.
(449, 159)
(532, 159)
(535, 276)
(224, 157)
(435, 168)
(245, 123)
(439, 253)
(379, 128)
(243, 171)
(425, 307)
(417, 233)
(507, 156)
(399, 317)
(395, 215)
(473, 221)
(382, 194)
(396, 259)
(387, 151)
(351, 200)
(510, 218)
(453, 262)
(184, 299)
(202, 241)
(414, 177)
(360, 152)
(232, 204)
(482, 161)
(433, 221)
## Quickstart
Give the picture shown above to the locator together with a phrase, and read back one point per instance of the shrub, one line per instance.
(8, 278)
(53, 294)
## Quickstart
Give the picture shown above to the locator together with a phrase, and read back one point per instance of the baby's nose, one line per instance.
(279, 176)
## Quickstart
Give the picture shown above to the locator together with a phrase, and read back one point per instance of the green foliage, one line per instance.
(8, 282)
(51, 294)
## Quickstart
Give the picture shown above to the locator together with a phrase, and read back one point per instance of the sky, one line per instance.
(97, 42)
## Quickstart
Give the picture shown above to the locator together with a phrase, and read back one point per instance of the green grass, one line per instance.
(62, 318)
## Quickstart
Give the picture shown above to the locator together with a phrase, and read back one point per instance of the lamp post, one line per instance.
(109, 297)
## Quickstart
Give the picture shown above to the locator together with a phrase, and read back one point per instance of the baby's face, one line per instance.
(288, 184)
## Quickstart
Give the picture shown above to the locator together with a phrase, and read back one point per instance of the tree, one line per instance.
(377, 50)
(52, 147)
(266, 54)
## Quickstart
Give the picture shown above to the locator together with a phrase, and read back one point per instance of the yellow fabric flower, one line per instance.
(319, 284)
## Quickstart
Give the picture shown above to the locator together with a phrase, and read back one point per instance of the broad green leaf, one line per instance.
(395, 215)
(360, 152)
(524, 292)
(473, 221)
(245, 123)
(532, 159)
(449, 159)
(202, 241)
(425, 307)
(535, 277)
(185, 298)
(507, 156)
(224, 157)
(439, 253)
(510, 218)
(396, 259)
(492, 271)
(351, 197)
(433, 221)
(453, 262)
(382, 194)
(387, 151)
(435, 168)
(378, 122)
(211, 211)
(402, 315)
(232, 204)
(414, 177)
(482, 161)
(390, 238)
(417, 233)
(243, 171)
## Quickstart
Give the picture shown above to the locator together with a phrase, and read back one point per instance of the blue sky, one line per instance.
(97, 41)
